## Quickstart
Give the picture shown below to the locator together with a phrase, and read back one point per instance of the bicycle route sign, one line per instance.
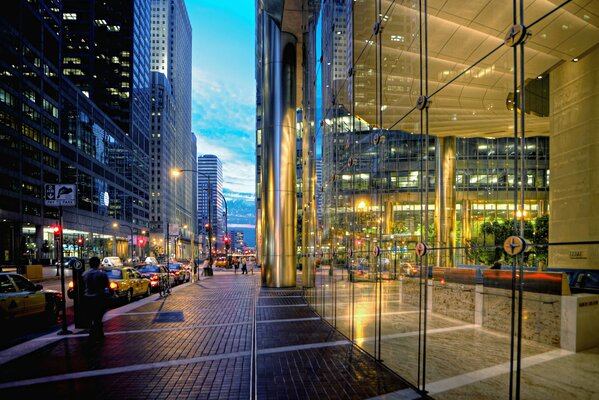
(60, 194)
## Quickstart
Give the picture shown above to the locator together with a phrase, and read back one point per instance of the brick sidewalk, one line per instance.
(199, 343)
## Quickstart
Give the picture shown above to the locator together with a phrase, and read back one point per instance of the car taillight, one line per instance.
(153, 283)
(114, 285)
(71, 285)
(154, 278)
(177, 273)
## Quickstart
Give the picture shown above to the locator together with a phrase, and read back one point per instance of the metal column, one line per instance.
(445, 201)
(279, 199)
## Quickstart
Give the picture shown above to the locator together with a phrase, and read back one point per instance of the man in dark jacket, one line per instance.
(96, 293)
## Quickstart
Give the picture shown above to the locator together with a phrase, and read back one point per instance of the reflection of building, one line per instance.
(54, 133)
(210, 165)
(448, 125)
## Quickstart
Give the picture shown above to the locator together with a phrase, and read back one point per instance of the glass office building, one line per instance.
(53, 133)
(454, 136)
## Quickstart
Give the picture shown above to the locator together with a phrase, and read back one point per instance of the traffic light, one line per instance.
(80, 241)
(141, 241)
(227, 244)
(57, 229)
(207, 227)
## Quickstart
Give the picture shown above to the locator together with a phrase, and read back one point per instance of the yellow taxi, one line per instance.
(125, 283)
(19, 297)
(128, 283)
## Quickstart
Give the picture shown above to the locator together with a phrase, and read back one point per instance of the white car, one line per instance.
(151, 261)
(112, 262)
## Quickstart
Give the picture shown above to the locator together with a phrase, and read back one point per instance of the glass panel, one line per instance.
(559, 358)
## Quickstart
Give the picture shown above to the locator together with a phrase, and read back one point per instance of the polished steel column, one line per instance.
(309, 157)
(445, 201)
(278, 208)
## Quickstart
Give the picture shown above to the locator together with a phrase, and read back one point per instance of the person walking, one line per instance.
(96, 292)
(236, 264)
(244, 269)
(251, 264)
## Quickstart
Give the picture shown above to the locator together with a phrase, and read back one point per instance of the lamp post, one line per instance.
(176, 172)
(116, 225)
(226, 225)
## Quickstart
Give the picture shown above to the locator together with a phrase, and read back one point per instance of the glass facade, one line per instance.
(441, 126)
(53, 133)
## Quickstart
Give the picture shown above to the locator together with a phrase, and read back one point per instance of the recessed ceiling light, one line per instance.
(575, 59)
(539, 77)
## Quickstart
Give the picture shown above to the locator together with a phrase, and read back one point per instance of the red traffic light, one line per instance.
(141, 241)
(226, 239)
(57, 229)
(79, 241)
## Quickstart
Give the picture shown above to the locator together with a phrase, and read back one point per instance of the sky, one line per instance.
(223, 99)
(223, 89)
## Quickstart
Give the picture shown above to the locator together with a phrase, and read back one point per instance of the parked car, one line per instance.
(112, 262)
(157, 275)
(220, 262)
(67, 262)
(125, 283)
(19, 297)
(181, 274)
(151, 261)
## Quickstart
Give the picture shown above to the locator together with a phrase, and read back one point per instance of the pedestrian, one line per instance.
(251, 264)
(195, 269)
(244, 269)
(236, 264)
(97, 291)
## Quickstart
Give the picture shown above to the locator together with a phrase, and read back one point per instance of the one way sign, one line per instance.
(60, 195)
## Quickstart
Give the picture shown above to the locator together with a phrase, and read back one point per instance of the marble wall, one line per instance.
(541, 315)
(454, 300)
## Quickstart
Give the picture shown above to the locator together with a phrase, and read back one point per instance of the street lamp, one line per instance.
(116, 225)
(175, 172)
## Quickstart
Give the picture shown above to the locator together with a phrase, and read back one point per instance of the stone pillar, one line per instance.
(279, 199)
(574, 162)
(445, 201)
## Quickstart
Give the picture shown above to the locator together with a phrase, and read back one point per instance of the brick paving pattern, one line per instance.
(197, 344)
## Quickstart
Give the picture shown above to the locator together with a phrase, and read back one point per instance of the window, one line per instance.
(23, 285)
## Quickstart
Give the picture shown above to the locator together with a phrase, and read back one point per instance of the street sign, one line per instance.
(421, 249)
(60, 194)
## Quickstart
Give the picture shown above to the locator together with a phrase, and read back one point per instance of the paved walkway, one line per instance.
(224, 337)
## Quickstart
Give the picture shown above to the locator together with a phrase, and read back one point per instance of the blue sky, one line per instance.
(223, 90)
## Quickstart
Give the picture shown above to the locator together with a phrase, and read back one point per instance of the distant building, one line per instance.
(237, 241)
(210, 166)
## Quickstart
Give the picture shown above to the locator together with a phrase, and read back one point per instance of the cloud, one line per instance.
(224, 122)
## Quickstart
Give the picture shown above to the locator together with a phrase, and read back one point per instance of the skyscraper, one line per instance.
(170, 40)
(53, 133)
(210, 166)
(161, 155)
(106, 53)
